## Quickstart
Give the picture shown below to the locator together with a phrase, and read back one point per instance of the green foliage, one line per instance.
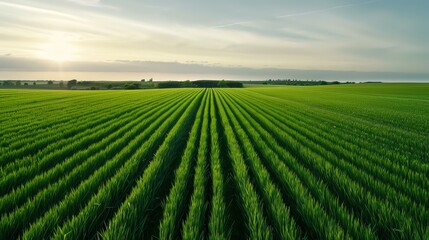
(193, 227)
(132, 86)
(317, 162)
(7, 83)
(72, 83)
(175, 200)
(142, 196)
(170, 84)
(217, 223)
(218, 84)
(295, 82)
(255, 222)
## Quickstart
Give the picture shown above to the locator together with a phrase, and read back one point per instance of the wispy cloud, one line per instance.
(297, 14)
(316, 11)
(38, 10)
(232, 24)
(92, 3)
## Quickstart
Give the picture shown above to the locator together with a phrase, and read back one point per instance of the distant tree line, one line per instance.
(295, 82)
(174, 84)
(201, 84)
(110, 85)
(220, 84)
(149, 83)
(39, 84)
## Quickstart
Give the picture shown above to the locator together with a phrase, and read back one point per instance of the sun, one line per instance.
(58, 48)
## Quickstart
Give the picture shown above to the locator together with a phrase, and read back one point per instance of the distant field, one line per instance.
(322, 162)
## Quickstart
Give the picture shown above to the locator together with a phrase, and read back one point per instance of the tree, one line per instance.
(61, 84)
(221, 84)
(169, 84)
(188, 84)
(50, 82)
(18, 83)
(132, 86)
(7, 83)
(34, 83)
(206, 83)
(233, 84)
(72, 83)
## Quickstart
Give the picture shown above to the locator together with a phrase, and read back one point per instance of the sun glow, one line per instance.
(58, 48)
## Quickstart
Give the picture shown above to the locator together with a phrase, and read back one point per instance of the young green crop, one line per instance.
(276, 155)
(174, 205)
(193, 226)
(285, 227)
(116, 189)
(132, 215)
(386, 226)
(380, 168)
(317, 162)
(218, 215)
(255, 221)
(52, 194)
(79, 197)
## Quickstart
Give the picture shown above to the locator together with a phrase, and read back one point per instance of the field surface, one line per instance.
(324, 162)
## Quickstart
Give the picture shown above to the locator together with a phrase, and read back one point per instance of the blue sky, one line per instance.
(165, 39)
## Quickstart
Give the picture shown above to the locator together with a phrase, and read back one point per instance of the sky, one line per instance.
(344, 40)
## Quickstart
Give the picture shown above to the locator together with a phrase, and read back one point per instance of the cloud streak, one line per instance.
(92, 3)
(232, 24)
(317, 11)
(298, 14)
(39, 10)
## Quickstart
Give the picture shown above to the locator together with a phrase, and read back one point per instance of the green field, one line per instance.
(322, 162)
